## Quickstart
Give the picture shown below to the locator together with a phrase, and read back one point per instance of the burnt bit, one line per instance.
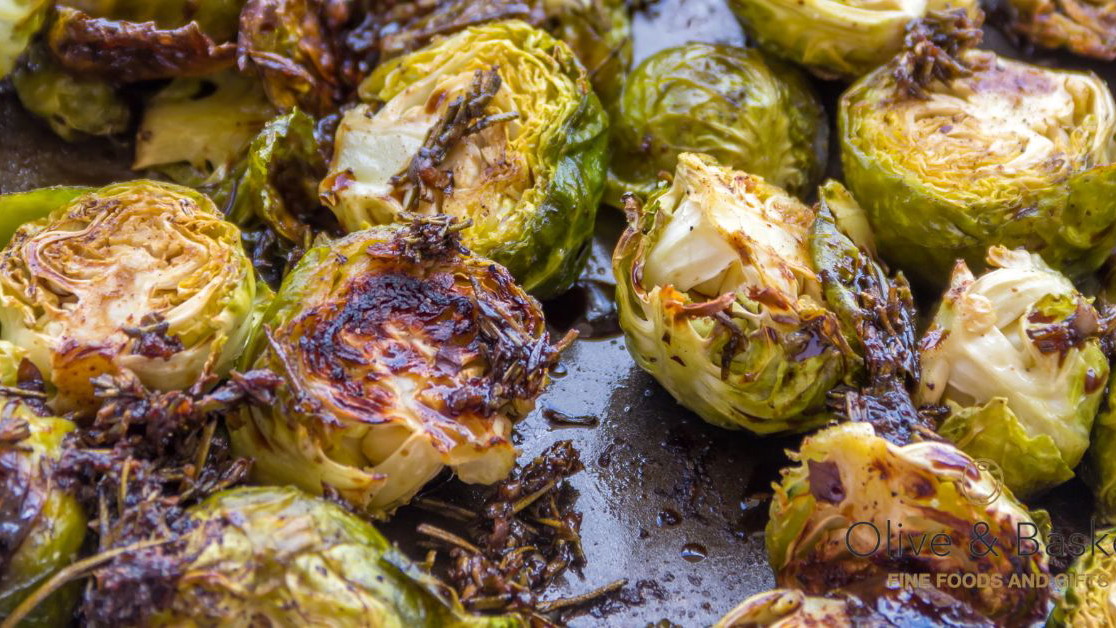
(524, 537)
(146, 458)
(465, 116)
(22, 492)
(934, 51)
(1053, 334)
(415, 24)
(151, 340)
(131, 51)
(825, 481)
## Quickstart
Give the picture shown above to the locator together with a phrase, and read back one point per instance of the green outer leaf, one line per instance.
(924, 230)
(1100, 468)
(313, 560)
(22, 207)
(20, 20)
(1030, 464)
(286, 148)
(54, 539)
(747, 110)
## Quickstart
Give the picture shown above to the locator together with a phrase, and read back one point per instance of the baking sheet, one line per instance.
(675, 506)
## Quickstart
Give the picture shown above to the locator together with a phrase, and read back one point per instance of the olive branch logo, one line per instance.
(988, 468)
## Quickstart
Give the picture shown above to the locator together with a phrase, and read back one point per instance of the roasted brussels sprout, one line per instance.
(1100, 469)
(196, 130)
(73, 106)
(787, 608)
(41, 526)
(1090, 597)
(598, 31)
(1010, 154)
(496, 124)
(217, 18)
(748, 111)
(1085, 27)
(830, 519)
(19, 21)
(140, 276)
(278, 557)
(720, 297)
(401, 354)
(1016, 356)
(837, 39)
(23, 207)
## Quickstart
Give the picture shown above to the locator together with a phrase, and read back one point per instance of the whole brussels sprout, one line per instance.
(720, 296)
(496, 124)
(1010, 154)
(1084, 27)
(747, 110)
(1090, 597)
(278, 557)
(1016, 356)
(73, 106)
(401, 354)
(837, 39)
(836, 516)
(41, 526)
(139, 276)
(20, 20)
(788, 608)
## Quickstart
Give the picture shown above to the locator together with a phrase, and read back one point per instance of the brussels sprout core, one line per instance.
(1011, 154)
(140, 276)
(1016, 356)
(719, 300)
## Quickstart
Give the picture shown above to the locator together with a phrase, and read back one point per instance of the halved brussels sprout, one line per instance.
(838, 39)
(1016, 356)
(747, 110)
(1090, 598)
(401, 354)
(1010, 154)
(41, 526)
(720, 299)
(496, 124)
(598, 31)
(139, 276)
(19, 21)
(278, 557)
(878, 606)
(1085, 27)
(201, 123)
(836, 516)
(73, 106)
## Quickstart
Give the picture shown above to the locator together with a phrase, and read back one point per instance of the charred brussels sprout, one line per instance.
(278, 557)
(19, 21)
(748, 111)
(1010, 154)
(73, 106)
(720, 299)
(830, 510)
(496, 124)
(216, 18)
(1016, 356)
(1085, 27)
(837, 38)
(401, 354)
(1090, 599)
(139, 276)
(41, 526)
